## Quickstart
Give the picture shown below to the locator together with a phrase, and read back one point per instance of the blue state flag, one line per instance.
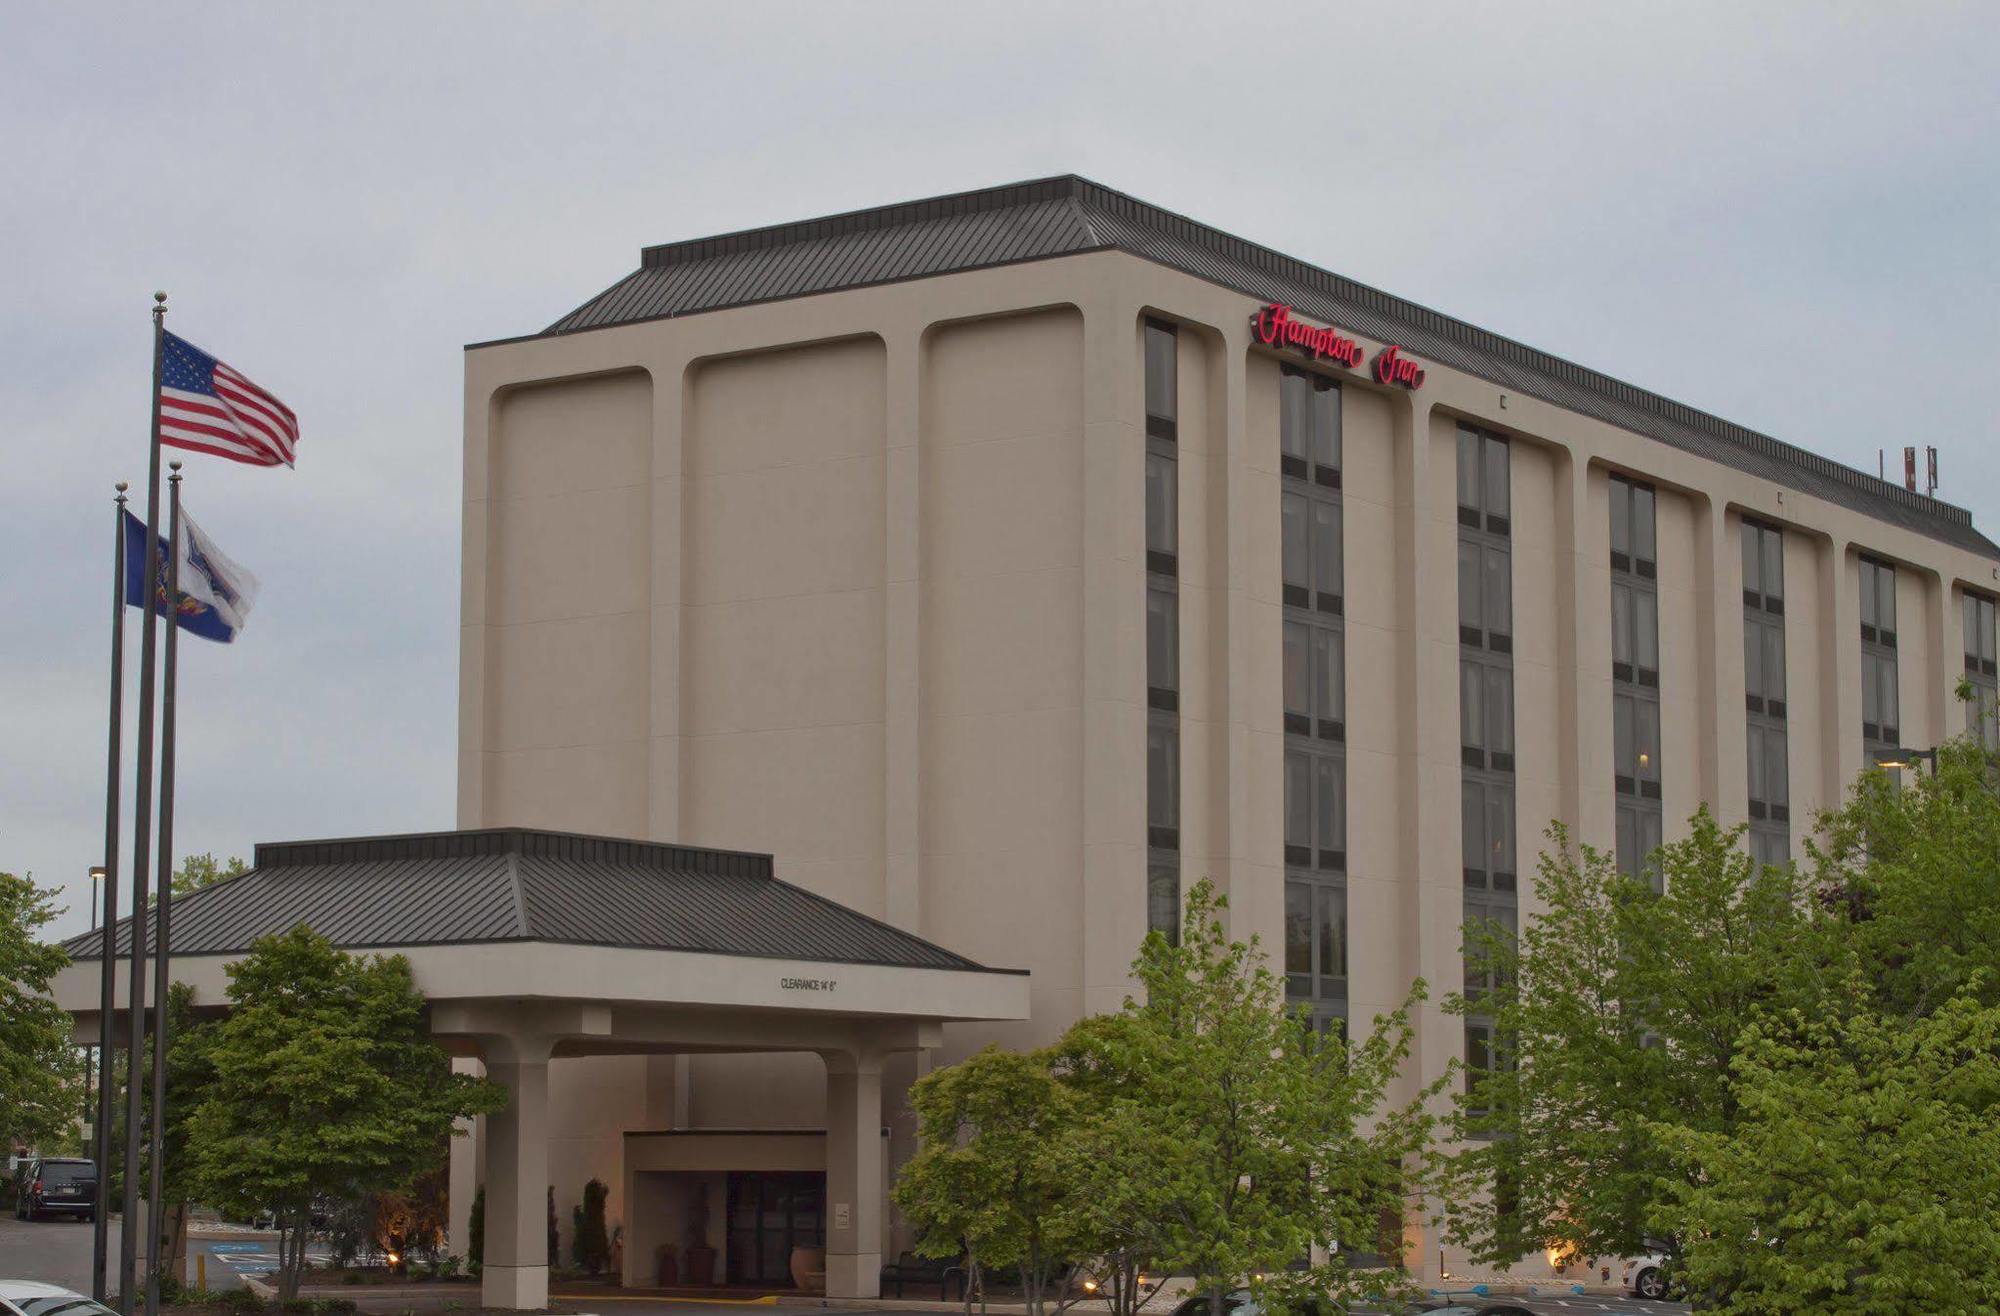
(216, 594)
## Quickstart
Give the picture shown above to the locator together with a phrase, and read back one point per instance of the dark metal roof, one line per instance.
(1069, 215)
(515, 884)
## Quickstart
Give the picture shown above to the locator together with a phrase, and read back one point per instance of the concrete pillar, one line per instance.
(853, 1176)
(517, 1176)
(465, 1176)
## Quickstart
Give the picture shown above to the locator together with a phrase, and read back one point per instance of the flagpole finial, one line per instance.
(160, 297)
(121, 486)
(175, 467)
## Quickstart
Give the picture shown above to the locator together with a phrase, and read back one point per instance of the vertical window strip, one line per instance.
(1163, 736)
(1982, 712)
(1765, 700)
(1315, 696)
(1635, 676)
(1486, 714)
(1881, 685)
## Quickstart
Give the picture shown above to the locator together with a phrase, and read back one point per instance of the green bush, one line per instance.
(475, 1253)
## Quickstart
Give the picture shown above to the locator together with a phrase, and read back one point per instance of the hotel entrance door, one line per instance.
(769, 1215)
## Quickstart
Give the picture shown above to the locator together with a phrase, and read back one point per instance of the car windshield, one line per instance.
(61, 1304)
(68, 1172)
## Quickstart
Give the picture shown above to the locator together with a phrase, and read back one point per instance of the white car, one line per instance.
(1645, 1277)
(25, 1297)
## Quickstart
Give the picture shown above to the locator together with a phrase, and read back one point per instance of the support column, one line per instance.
(1720, 777)
(464, 1172)
(853, 1176)
(902, 638)
(516, 1271)
(1840, 672)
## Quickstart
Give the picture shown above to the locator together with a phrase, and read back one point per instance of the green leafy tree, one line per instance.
(1909, 880)
(1862, 1174)
(40, 1067)
(326, 1083)
(1619, 1012)
(200, 870)
(1238, 1135)
(989, 1177)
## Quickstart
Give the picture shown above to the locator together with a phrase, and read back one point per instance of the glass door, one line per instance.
(769, 1215)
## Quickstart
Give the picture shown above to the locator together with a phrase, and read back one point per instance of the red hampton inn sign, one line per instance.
(1275, 326)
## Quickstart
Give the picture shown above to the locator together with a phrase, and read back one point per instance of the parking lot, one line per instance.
(58, 1252)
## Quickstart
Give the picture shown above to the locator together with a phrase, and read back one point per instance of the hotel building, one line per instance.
(1004, 563)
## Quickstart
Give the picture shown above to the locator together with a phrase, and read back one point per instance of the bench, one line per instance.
(911, 1268)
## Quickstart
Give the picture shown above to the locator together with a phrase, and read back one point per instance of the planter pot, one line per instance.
(809, 1269)
(700, 1265)
(666, 1269)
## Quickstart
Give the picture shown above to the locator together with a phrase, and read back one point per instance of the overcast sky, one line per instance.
(1785, 214)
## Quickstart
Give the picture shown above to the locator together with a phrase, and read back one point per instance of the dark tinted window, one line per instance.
(69, 1171)
(67, 1304)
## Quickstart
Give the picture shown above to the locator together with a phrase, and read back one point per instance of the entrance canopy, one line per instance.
(532, 945)
(514, 914)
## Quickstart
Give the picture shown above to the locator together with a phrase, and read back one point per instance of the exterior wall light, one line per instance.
(1902, 757)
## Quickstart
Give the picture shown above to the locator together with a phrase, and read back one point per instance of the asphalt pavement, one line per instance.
(58, 1252)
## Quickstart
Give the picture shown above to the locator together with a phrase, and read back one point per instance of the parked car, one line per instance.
(57, 1185)
(1646, 1276)
(24, 1297)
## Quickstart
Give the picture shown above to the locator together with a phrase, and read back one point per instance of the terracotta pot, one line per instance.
(666, 1267)
(809, 1269)
(700, 1265)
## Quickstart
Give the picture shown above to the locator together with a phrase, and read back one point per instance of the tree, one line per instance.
(475, 1229)
(1618, 1012)
(326, 1084)
(1908, 878)
(188, 1074)
(593, 1242)
(989, 1177)
(200, 870)
(1863, 1174)
(39, 1063)
(1228, 1134)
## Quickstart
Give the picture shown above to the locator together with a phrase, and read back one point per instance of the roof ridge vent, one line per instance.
(514, 842)
(852, 221)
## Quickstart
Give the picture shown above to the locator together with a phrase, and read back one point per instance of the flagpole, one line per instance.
(107, 1002)
(164, 892)
(142, 826)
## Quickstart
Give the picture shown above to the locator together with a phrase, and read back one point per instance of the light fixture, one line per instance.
(1904, 757)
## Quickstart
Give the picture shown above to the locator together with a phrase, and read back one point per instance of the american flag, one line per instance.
(208, 407)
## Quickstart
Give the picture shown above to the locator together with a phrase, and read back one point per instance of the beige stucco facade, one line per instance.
(859, 579)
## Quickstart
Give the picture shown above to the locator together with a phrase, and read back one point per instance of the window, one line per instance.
(1315, 941)
(1163, 620)
(1487, 830)
(1881, 701)
(1764, 697)
(1162, 514)
(1315, 681)
(1635, 674)
(1315, 809)
(1983, 712)
(1633, 536)
(1163, 647)
(1315, 694)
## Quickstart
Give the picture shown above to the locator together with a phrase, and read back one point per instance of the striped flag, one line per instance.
(206, 406)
